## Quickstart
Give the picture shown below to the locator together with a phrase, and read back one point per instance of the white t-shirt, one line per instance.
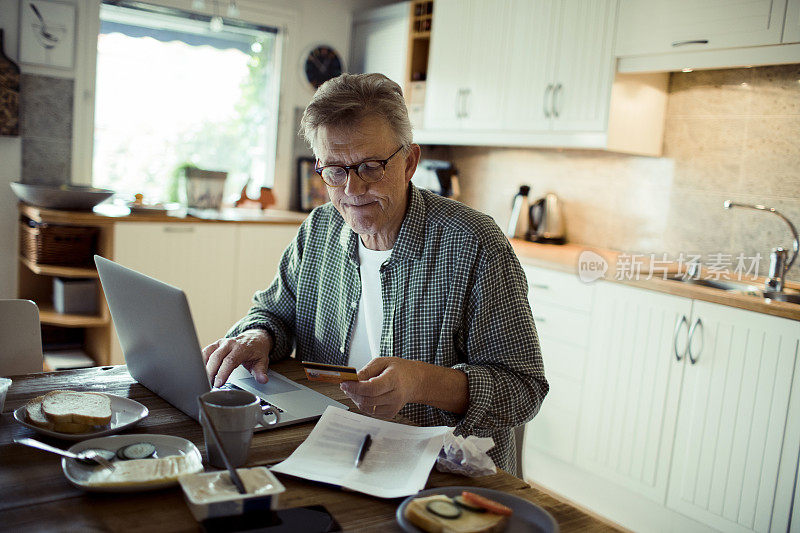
(366, 340)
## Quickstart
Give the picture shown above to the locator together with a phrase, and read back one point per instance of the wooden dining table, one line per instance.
(36, 496)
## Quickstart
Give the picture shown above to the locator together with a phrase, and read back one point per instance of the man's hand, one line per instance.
(250, 349)
(385, 385)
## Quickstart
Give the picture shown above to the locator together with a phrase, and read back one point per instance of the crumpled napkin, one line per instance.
(466, 456)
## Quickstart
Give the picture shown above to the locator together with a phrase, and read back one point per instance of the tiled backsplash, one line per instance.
(46, 129)
(729, 134)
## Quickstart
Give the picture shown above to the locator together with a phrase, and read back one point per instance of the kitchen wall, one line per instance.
(729, 134)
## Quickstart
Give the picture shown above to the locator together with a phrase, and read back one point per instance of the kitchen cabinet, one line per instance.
(520, 72)
(791, 26)
(734, 403)
(689, 416)
(662, 35)
(630, 400)
(218, 265)
(464, 69)
(380, 41)
(195, 257)
(562, 65)
(665, 26)
(561, 306)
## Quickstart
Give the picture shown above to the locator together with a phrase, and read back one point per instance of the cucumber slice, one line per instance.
(461, 502)
(444, 508)
(137, 450)
(108, 455)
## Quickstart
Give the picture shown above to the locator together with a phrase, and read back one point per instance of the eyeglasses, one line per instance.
(370, 171)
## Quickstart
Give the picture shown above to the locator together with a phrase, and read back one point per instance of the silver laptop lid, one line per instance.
(158, 338)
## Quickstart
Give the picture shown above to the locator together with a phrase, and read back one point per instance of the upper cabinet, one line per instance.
(516, 71)
(663, 26)
(663, 35)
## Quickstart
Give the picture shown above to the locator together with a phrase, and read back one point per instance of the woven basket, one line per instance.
(57, 245)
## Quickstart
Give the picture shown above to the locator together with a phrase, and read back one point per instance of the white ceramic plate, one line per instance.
(124, 413)
(78, 473)
(527, 517)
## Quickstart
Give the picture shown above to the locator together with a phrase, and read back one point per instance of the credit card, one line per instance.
(329, 373)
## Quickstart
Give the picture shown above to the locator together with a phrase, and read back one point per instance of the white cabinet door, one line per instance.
(446, 83)
(630, 400)
(791, 29)
(584, 65)
(664, 26)
(486, 47)
(197, 258)
(380, 42)
(733, 413)
(259, 251)
(530, 65)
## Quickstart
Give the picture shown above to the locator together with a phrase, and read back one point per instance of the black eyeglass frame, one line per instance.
(348, 168)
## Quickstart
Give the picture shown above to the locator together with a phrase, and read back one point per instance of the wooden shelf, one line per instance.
(59, 271)
(421, 34)
(48, 315)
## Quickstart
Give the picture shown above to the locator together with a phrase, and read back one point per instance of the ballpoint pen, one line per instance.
(362, 451)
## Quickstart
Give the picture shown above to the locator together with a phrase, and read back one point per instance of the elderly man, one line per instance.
(422, 294)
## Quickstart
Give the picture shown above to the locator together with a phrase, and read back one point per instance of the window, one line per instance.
(171, 91)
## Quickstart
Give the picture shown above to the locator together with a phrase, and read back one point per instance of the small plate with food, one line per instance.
(471, 510)
(71, 415)
(141, 462)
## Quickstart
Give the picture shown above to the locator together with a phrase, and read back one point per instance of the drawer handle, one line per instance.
(539, 319)
(540, 286)
(556, 101)
(178, 229)
(694, 41)
(692, 357)
(682, 321)
(545, 107)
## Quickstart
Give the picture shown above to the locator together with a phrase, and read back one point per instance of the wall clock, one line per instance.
(321, 64)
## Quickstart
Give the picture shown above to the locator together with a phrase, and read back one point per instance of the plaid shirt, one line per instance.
(454, 295)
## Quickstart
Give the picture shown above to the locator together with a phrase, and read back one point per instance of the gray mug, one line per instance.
(234, 414)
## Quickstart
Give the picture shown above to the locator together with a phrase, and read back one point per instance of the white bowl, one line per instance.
(211, 494)
(5, 383)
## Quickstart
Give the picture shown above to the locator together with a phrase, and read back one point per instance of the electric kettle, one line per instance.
(547, 221)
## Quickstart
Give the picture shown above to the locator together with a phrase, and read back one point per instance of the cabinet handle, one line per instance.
(178, 229)
(539, 319)
(695, 41)
(682, 321)
(539, 286)
(458, 103)
(556, 107)
(692, 358)
(545, 107)
(467, 92)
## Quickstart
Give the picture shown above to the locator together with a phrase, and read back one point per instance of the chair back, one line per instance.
(20, 338)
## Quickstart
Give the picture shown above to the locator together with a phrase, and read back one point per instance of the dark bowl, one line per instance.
(72, 197)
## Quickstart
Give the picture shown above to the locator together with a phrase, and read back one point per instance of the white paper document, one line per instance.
(397, 464)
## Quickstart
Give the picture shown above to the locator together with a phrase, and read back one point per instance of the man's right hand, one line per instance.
(250, 349)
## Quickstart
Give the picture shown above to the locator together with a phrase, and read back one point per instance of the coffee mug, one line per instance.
(234, 414)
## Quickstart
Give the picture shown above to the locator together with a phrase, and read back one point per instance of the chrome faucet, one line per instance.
(778, 265)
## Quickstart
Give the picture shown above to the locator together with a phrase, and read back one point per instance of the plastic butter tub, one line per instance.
(213, 494)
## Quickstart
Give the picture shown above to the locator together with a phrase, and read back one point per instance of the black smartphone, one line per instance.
(311, 519)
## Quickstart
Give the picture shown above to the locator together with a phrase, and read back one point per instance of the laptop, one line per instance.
(159, 341)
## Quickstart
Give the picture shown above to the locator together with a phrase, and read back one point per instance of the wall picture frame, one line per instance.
(311, 189)
(47, 33)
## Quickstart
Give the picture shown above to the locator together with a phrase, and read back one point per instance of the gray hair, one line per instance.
(349, 98)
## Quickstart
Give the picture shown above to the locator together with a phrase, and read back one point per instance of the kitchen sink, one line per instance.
(790, 295)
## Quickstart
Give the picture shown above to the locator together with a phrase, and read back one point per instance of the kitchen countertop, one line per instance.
(110, 214)
(564, 258)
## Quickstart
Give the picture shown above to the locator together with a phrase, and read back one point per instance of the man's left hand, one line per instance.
(385, 385)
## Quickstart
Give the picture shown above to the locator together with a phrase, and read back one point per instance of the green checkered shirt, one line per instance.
(454, 295)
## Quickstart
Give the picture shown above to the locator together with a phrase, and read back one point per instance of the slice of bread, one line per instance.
(469, 521)
(34, 414)
(82, 408)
